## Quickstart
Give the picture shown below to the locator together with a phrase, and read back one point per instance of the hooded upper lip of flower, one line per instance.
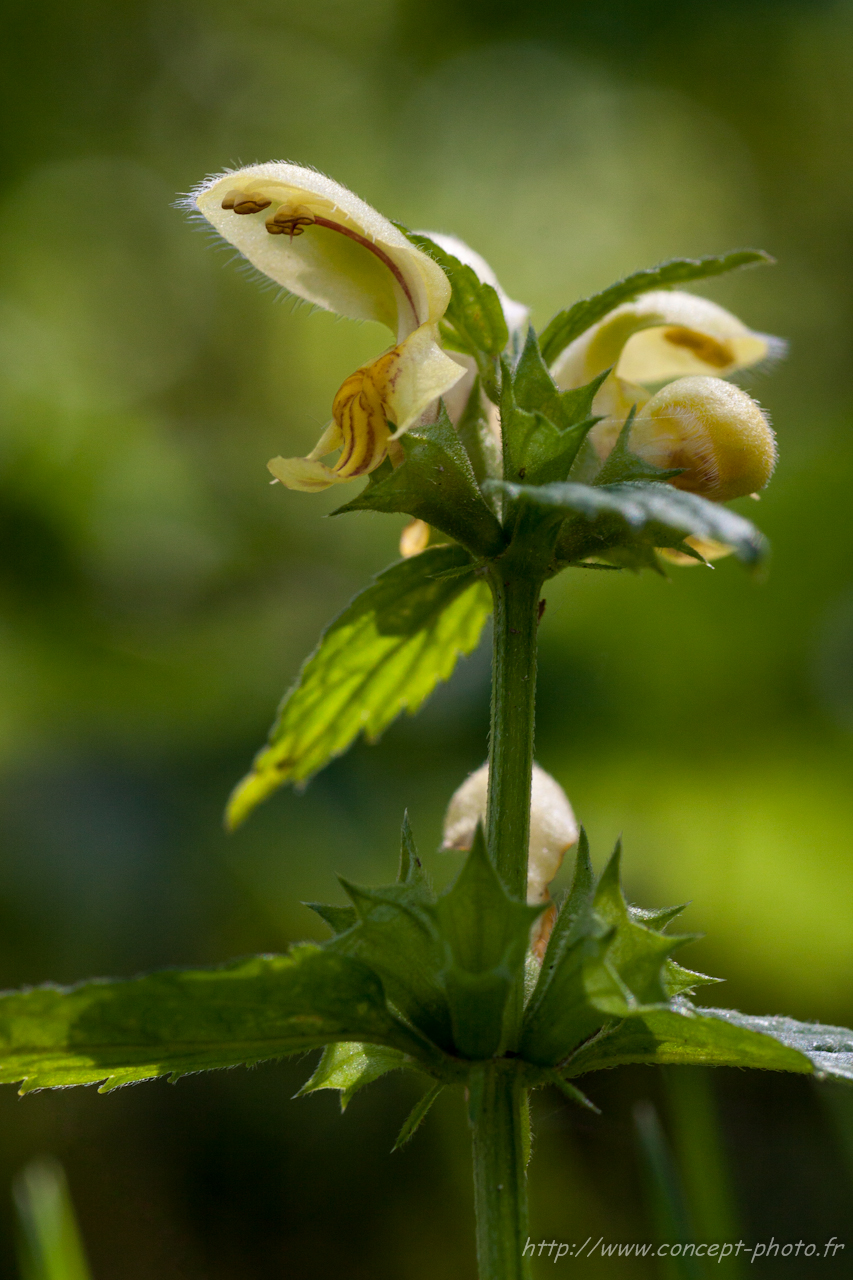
(661, 335)
(321, 242)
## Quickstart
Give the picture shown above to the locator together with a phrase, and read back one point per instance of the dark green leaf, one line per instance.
(570, 324)
(384, 654)
(350, 1066)
(475, 309)
(604, 961)
(644, 515)
(179, 1021)
(436, 483)
(485, 935)
(577, 991)
(573, 919)
(829, 1049)
(704, 1037)
(411, 869)
(416, 1116)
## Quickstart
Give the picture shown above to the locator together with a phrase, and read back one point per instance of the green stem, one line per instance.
(500, 1123)
(516, 599)
(498, 1099)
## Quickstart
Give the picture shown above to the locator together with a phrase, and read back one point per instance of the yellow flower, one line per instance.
(661, 335)
(322, 243)
(716, 433)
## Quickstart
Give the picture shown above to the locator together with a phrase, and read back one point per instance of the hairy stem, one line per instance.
(498, 1104)
(516, 597)
(498, 1100)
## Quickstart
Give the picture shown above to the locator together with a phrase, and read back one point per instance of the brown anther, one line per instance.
(250, 202)
(228, 202)
(287, 221)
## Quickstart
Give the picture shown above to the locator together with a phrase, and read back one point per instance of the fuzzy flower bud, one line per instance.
(710, 428)
(553, 826)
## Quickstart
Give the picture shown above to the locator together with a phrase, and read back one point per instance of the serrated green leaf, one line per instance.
(573, 918)
(570, 324)
(634, 515)
(603, 961)
(436, 483)
(475, 310)
(397, 937)
(678, 981)
(829, 1049)
(416, 1116)
(577, 991)
(689, 1036)
(485, 935)
(574, 921)
(180, 1021)
(384, 654)
(350, 1066)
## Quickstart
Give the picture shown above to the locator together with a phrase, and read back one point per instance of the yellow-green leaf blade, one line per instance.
(383, 655)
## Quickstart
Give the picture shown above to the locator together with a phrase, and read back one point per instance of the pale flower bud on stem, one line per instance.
(713, 430)
(553, 830)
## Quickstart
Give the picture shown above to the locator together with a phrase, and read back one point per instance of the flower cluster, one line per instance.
(669, 353)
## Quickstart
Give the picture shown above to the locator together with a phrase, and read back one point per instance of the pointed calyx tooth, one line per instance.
(246, 201)
(289, 220)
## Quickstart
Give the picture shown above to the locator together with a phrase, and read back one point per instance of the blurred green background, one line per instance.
(158, 595)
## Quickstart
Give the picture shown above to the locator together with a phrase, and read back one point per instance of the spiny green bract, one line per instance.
(417, 980)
